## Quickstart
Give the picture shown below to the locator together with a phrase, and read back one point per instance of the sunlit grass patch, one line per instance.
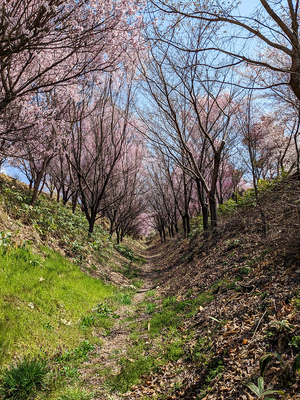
(43, 298)
(131, 372)
(52, 222)
(173, 310)
(74, 393)
(160, 339)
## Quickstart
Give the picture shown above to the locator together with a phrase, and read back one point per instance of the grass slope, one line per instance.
(44, 299)
(56, 295)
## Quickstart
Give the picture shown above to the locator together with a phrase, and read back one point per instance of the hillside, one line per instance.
(193, 322)
(52, 224)
(57, 285)
(235, 298)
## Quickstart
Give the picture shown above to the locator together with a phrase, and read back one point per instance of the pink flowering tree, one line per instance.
(266, 146)
(56, 45)
(60, 178)
(46, 119)
(98, 140)
(230, 182)
(124, 202)
(52, 42)
(161, 200)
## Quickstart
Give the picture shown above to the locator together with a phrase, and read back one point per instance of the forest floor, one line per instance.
(196, 318)
(209, 311)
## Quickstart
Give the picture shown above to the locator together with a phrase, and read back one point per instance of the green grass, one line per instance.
(166, 338)
(23, 379)
(74, 393)
(79, 354)
(53, 222)
(43, 299)
(129, 254)
(48, 307)
(173, 311)
(248, 198)
(130, 271)
(123, 298)
(131, 372)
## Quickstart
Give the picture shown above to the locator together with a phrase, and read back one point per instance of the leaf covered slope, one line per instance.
(235, 298)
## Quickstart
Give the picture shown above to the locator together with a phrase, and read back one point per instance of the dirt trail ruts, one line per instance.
(115, 345)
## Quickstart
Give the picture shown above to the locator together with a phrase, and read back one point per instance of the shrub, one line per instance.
(78, 354)
(21, 381)
(228, 207)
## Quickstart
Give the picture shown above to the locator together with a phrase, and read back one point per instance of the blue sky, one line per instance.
(247, 6)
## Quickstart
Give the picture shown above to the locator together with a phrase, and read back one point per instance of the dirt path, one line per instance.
(115, 345)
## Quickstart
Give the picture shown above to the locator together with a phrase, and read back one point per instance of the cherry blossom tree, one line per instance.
(43, 137)
(179, 189)
(98, 141)
(124, 200)
(60, 178)
(57, 45)
(230, 182)
(52, 42)
(285, 105)
(164, 210)
(266, 147)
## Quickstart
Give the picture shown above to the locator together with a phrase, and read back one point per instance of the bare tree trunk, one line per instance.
(297, 150)
(118, 235)
(65, 198)
(111, 227)
(188, 225)
(184, 226)
(91, 221)
(205, 216)
(43, 184)
(204, 207)
(36, 186)
(176, 227)
(213, 211)
(74, 202)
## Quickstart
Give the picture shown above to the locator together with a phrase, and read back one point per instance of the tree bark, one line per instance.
(184, 226)
(91, 225)
(295, 73)
(204, 207)
(213, 211)
(74, 202)
(36, 186)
